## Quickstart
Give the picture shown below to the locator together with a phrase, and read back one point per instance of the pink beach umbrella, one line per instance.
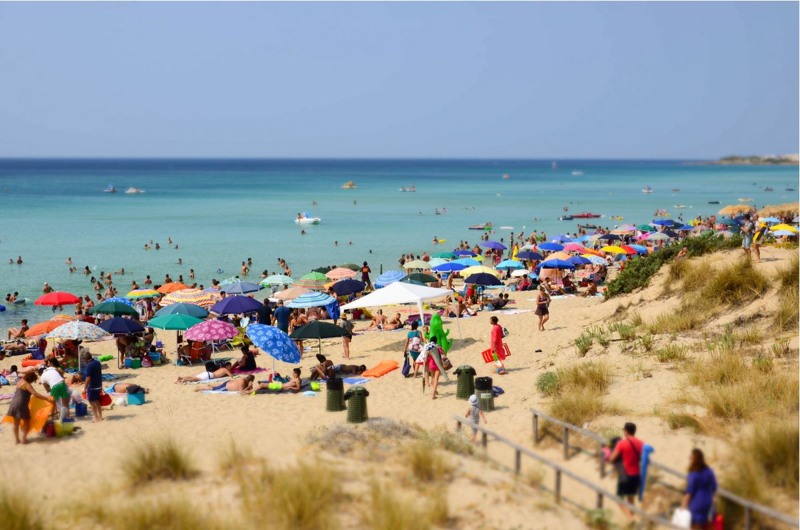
(574, 247)
(210, 330)
(340, 273)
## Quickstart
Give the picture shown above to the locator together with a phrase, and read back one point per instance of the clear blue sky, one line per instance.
(589, 80)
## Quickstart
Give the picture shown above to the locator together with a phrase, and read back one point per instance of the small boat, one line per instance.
(412, 188)
(132, 190)
(745, 199)
(306, 219)
(484, 226)
(768, 189)
(713, 202)
(647, 189)
(616, 218)
(566, 218)
(403, 189)
(110, 189)
(577, 173)
(587, 227)
(680, 206)
(586, 215)
(349, 185)
(789, 189)
(676, 189)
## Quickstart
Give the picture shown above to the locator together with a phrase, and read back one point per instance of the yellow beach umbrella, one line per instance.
(784, 226)
(735, 209)
(614, 250)
(477, 269)
(417, 264)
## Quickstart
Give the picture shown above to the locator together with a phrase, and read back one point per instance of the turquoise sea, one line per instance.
(220, 212)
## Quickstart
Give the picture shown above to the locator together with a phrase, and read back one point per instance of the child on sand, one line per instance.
(474, 413)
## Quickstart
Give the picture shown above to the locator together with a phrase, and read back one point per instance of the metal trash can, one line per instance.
(483, 384)
(357, 404)
(335, 395)
(465, 386)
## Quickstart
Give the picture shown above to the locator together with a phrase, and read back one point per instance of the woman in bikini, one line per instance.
(542, 309)
(243, 385)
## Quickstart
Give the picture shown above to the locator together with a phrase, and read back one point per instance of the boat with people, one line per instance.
(647, 189)
(133, 190)
(306, 219)
(586, 215)
(587, 227)
(566, 218)
(349, 185)
(110, 189)
(484, 226)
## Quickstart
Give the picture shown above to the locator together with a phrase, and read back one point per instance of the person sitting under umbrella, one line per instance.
(247, 363)
(377, 321)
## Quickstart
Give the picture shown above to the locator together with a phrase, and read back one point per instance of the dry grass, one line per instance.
(681, 420)
(17, 511)
(166, 514)
(578, 392)
(789, 277)
(579, 408)
(787, 314)
(591, 376)
(389, 511)
(158, 460)
(671, 353)
(626, 332)
(438, 511)
(583, 343)
(682, 319)
(426, 463)
(449, 441)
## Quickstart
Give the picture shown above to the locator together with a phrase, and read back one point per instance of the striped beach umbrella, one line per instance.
(311, 299)
(291, 293)
(340, 273)
(120, 299)
(277, 279)
(389, 277)
(312, 280)
(143, 293)
(199, 297)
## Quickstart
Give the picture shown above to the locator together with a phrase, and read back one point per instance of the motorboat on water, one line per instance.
(680, 206)
(484, 226)
(587, 227)
(306, 219)
(713, 202)
(647, 189)
(768, 188)
(586, 215)
(110, 189)
(577, 173)
(745, 199)
(349, 185)
(132, 190)
(410, 189)
(566, 218)
(676, 189)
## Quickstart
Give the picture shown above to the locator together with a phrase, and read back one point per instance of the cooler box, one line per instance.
(136, 399)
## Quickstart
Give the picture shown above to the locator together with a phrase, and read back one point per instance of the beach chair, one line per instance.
(199, 352)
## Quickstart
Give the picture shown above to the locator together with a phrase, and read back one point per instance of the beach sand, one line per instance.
(276, 427)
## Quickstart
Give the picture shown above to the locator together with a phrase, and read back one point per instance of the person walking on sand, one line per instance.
(93, 384)
(629, 452)
(497, 344)
(474, 413)
(19, 410)
(748, 230)
(347, 326)
(700, 489)
(543, 307)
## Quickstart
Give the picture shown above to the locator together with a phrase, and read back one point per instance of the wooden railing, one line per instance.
(566, 428)
(560, 473)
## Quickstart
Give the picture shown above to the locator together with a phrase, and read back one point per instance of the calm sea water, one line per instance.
(222, 212)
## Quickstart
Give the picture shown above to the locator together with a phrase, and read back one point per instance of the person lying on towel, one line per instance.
(243, 385)
(294, 384)
(225, 371)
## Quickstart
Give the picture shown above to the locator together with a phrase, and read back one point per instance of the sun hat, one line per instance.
(473, 399)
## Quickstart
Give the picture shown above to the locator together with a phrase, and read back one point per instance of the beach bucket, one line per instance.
(81, 410)
(357, 404)
(128, 362)
(49, 429)
(465, 386)
(64, 427)
(335, 395)
(486, 401)
(136, 363)
(156, 358)
(136, 399)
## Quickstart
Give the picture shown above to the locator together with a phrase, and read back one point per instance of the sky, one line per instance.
(394, 80)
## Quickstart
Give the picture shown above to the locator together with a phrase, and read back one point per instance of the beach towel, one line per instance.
(349, 381)
(219, 392)
(6, 397)
(488, 356)
(515, 311)
(40, 413)
(250, 372)
(209, 382)
(382, 368)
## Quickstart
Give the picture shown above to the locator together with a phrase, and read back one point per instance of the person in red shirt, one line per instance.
(497, 345)
(629, 452)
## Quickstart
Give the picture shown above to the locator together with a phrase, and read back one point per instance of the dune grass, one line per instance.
(578, 408)
(681, 420)
(425, 462)
(583, 343)
(787, 313)
(671, 353)
(164, 514)
(587, 376)
(577, 391)
(600, 334)
(158, 460)
(17, 511)
(388, 511)
(548, 384)
(449, 441)
(626, 332)
(789, 276)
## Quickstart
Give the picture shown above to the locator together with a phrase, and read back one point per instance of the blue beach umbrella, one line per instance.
(610, 237)
(781, 233)
(241, 288)
(509, 264)
(561, 239)
(464, 252)
(662, 222)
(685, 227)
(670, 234)
(483, 278)
(579, 260)
(639, 249)
(182, 308)
(274, 342)
(556, 264)
(348, 286)
(494, 245)
(770, 220)
(467, 262)
(594, 260)
(120, 300)
(530, 255)
(450, 267)
(389, 277)
(311, 299)
(121, 326)
(234, 305)
(551, 247)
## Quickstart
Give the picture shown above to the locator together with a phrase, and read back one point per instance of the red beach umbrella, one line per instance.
(57, 298)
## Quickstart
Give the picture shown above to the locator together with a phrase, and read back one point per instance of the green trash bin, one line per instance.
(335, 395)
(465, 386)
(486, 401)
(356, 399)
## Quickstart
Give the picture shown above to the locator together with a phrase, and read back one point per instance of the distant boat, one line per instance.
(768, 189)
(789, 189)
(349, 185)
(586, 215)
(484, 226)
(681, 206)
(586, 227)
(133, 190)
(110, 189)
(647, 189)
(745, 199)
(713, 202)
(676, 189)
(566, 218)
(661, 213)
(306, 219)
(577, 173)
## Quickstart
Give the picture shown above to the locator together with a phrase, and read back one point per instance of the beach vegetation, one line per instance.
(449, 441)
(599, 519)
(789, 277)
(438, 511)
(592, 376)
(548, 383)
(577, 391)
(579, 407)
(146, 515)
(426, 463)
(682, 420)
(390, 511)
(788, 310)
(534, 477)
(158, 460)
(18, 511)
(647, 342)
(671, 353)
(780, 348)
(626, 332)
(583, 343)
(600, 334)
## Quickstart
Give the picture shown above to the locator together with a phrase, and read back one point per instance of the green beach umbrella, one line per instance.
(645, 228)
(444, 255)
(323, 270)
(422, 277)
(112, 308)
(176, 321)
(312, 280)
(351, 266)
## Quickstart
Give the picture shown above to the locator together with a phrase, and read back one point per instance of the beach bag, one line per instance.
(682, 518)
(505, 332)
(406, 366)
(446, 364)
(415, 345)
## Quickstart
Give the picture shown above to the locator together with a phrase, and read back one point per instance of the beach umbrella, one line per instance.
(556, 264)
(657, 236)
(519, 272)
(644, 228)
(142, 293)
(174, 322)
(594, 260)
(274, 343)
(450, 266)
(437, 261)
(171, 287)
(579, 260)
(241, 288)
(57, 298)
(311, 299)
(594, 251)
(467, 262)
(416, 264)
(351, 266)
(421, 277)
(784, 226)
(464, 253)
(211, 330)
(277, 279)
(685, 228)
(63, 317)
(198, 297)
(628, 249)
(561, 239)
(735, 209)
(769, 220)
(557, 255)
(291, 293)
(609, 237)
(529, 255)
(779, 233)
(639, 248)
(444, 255)
(323, 270)
(670, 234)
(121, 326)
(43, 328)
(78, 330)
(316, 329)
(613, 250)
(509, 264)
(550, 247)
(112, 308)
(494, 245)
(340, 273)
(347, 287)
(478, 269)
(482, 278)
(235, 305)
(182, 308)
(389, 277)
(312, 280)
(626, 228)
(574, 247)
(120, 299)
(662, 222)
